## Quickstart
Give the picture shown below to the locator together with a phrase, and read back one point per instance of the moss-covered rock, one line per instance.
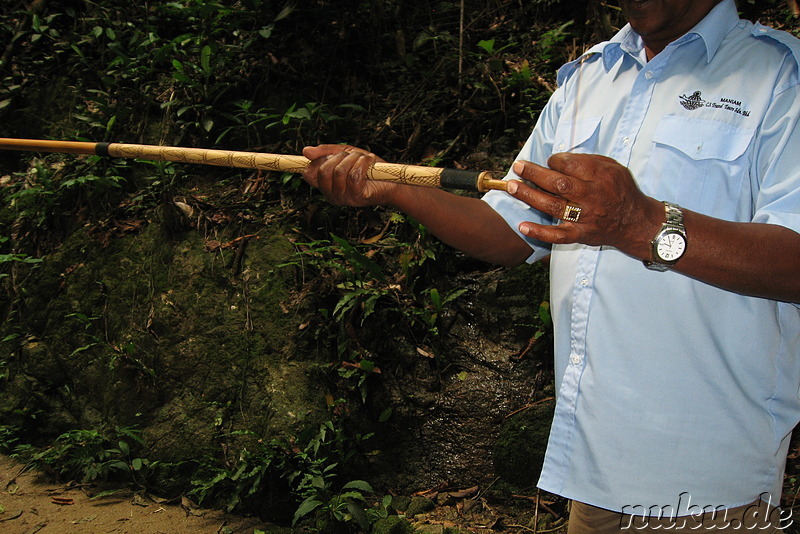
(520, 446)
(419, 505)
(392, 525)
(160, 333)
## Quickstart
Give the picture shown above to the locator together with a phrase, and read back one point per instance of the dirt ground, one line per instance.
(30, 503)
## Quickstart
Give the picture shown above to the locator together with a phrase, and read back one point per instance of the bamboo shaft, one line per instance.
(41, 145)
(391, 172)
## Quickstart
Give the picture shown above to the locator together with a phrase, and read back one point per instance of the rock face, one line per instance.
(450, 418)
(155, 332)
(204, 344)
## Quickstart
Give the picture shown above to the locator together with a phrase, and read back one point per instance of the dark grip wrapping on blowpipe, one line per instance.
(460, 179)
(101, 149)
(481, 181)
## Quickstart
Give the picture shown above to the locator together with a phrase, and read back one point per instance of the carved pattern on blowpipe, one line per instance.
(401, 174)
(222, 158)
(405, 174)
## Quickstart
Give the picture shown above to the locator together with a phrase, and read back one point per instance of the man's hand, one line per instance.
(613, 211)
(466, 223)
(339, 172)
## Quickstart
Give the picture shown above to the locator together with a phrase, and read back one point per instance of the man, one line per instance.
(670, 206)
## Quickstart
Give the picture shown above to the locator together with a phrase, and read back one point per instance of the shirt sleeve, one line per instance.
(777, 160)
(537, 149)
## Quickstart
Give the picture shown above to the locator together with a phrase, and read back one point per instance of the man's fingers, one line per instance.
(314, 152)
(341, 176)
(553, 205)
(361, 167)
(340, 172)
(527, 170)
(311, 172)
(556, 234)
(553, 181)
(580, 165)
(322, 170)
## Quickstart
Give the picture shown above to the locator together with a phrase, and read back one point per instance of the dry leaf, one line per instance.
(422, 352)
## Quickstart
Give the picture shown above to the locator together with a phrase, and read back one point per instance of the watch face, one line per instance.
(670, 246)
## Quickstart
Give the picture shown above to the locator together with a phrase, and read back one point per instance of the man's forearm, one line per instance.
(465, 223)
(761, 260)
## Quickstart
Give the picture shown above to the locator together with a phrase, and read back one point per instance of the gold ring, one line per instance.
(571, 213)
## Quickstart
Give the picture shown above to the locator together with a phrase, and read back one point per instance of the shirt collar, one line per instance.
(712, 30)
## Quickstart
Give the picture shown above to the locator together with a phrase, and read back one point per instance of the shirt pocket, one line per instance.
(700, 164)
(577, 136)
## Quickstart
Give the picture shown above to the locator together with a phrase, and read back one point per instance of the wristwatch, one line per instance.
(669, 244)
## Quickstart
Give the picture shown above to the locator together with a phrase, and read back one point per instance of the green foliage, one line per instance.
(362, 280)
(12, 258)
(345, 506)
(308, 467)
(92, 342)
(91, 455)
(249, 477)
(51, 189)
(542, 320)
(552, 44)
(433, 306)
(249, 122)
(356, 373)
(195, 64)
(9, 438)
(315, 465)
(315, 480)
(210, 69)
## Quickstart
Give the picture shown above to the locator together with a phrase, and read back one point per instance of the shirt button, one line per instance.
(561, 147)
(626, 141)
(575, 359)
(584, 282)
(648, 75)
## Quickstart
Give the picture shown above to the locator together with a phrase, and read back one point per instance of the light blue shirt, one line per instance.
(673, 393)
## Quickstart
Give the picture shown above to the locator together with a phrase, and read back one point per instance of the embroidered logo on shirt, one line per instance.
(696, 101)
(692, 102)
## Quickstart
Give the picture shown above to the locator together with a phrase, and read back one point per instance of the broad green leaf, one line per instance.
(385, 415)
(205, 59)
(360, 485)
(487, 45)
(359, 515)
(308, 506)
